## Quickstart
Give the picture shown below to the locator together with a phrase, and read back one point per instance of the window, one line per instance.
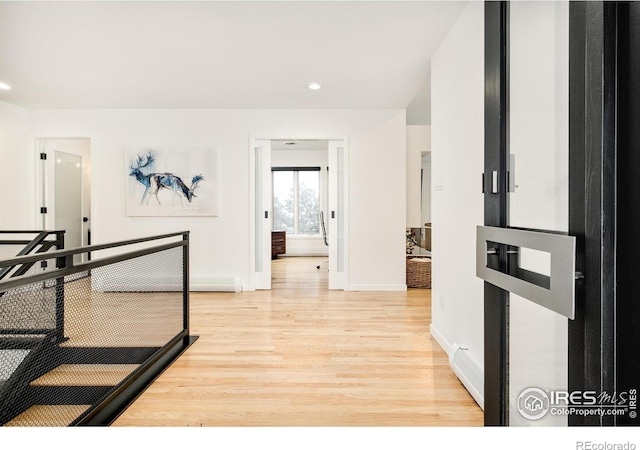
(296, 200)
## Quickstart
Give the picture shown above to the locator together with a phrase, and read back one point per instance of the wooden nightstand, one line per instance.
(278, 243)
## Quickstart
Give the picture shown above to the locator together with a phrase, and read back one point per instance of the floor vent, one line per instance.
(468, 371)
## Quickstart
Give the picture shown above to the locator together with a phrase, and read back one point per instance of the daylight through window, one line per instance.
(296, 200)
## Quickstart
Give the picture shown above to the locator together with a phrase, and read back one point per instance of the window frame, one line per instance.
(296, 196)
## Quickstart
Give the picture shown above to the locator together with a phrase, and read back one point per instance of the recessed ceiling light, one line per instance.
(4, 86)
(314, 86)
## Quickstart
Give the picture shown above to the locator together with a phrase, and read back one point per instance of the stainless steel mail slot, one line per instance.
(557, 292)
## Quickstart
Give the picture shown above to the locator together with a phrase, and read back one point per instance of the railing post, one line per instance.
(185, 281)
(59, 243)
(61, 263)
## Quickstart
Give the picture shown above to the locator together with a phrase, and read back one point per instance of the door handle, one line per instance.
(333, 214)
(555, 292)
(266, 214)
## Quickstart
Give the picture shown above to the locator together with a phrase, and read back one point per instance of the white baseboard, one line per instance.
(377, 287)
(440, 339)
(215, 284)
(121, 283)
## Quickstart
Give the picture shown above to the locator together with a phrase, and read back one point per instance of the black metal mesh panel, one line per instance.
(114, 319)
(139, 302)
(10, 359)
(30, 307)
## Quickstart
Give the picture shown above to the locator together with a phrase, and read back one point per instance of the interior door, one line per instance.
(553, 247)
(68, 198)
(262, 212)
(525, 253)
(66, 190)
(337, 218)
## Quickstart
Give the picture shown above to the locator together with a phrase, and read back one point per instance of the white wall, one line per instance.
(220, 245)
(457, 153)
(418, 142)
(300, 245)
(377, 199)
(15, 170)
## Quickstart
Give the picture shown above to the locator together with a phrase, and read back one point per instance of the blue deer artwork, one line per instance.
(156, 182)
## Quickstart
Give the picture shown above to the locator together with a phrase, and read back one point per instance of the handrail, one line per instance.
(72, 268)
(86, 249)
(68, 267)
(39, 240)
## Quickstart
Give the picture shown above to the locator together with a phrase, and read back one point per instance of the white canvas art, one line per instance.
(171, 181)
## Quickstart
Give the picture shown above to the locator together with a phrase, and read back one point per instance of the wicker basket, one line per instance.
(418, 271)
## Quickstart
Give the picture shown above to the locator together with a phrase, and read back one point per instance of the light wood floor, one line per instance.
(301, 355)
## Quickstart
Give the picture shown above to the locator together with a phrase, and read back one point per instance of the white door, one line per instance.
(262, 211)
(337, 218)
(66, 189)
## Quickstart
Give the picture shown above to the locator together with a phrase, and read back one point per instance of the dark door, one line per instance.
(557, 85)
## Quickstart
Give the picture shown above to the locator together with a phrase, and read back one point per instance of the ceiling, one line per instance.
(215, 54)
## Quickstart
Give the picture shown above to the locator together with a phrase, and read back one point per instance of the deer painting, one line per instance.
(156, 182)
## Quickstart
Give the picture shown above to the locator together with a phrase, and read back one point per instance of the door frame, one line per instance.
(598, 67)
(40, 197)
(252, 200)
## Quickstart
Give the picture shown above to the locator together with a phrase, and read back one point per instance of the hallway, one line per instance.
(301, 355)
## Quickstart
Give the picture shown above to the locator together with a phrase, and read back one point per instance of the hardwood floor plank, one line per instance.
(301, 355)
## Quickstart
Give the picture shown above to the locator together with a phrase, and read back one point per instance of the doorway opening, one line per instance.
(300, 187)
(298, 206)
(65, 196)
